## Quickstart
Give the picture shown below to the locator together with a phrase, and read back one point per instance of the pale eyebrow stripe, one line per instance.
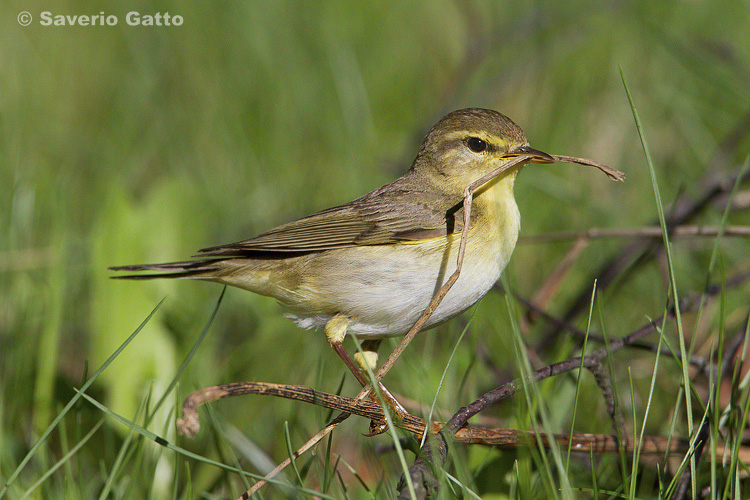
(490, 139)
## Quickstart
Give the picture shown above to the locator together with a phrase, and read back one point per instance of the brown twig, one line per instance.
(684, 231)
(613, 174)
(302, 449)
(456, 429)
(553, 281)
(502, 438)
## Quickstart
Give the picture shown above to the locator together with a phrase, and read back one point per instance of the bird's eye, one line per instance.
(476, 144)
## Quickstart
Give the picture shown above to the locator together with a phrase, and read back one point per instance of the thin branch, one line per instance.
(613, 174)
(499, 437)
(554, 279)
(302, 449)
(684, 231)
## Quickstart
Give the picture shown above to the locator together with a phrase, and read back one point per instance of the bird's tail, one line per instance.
(206, 269)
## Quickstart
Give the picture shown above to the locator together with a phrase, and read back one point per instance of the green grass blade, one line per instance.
(63, 460)
(442, 380)
(670, 266)
(632, 486)
(121, 458)
(649, 401)
(533, 395)
(188, 358)
(290, 451)
(182, 451)
(73, 401)
(578, 380)
(392, 431)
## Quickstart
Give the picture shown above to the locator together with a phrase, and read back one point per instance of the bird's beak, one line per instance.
(536, 155)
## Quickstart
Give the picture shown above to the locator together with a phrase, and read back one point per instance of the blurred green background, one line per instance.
(131, 144)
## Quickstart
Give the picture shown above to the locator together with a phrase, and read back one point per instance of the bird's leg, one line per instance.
(368, 361)
(335, 331)
(368, 358)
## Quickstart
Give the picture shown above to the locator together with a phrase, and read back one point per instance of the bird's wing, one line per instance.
(401, 216)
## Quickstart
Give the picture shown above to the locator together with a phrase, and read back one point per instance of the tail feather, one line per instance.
(187, 269)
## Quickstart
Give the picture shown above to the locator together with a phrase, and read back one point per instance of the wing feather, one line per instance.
(403, 215)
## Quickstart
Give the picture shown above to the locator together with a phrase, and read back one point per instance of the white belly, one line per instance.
(385, 299)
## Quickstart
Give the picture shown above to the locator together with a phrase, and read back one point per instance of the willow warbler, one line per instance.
(371, 266)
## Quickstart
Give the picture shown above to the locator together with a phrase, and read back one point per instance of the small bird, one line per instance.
(371, 266)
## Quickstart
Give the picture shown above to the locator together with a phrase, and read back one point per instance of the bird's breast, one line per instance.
(383, 289)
